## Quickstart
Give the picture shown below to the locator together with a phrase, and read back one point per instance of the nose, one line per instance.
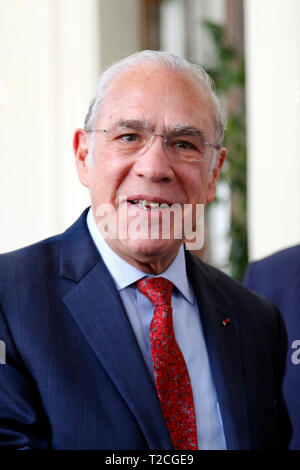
(153, 163)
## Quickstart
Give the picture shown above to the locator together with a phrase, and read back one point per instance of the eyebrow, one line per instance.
(132, 124)
(179, 130)
(188, 131)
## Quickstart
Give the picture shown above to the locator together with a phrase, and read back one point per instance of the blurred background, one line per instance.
(52, 52)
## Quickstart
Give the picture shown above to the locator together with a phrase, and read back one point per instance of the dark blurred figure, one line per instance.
(277, 278)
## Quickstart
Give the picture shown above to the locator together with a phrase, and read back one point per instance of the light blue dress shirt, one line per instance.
(187, 328)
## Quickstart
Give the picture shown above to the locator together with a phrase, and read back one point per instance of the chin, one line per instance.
(152, 250)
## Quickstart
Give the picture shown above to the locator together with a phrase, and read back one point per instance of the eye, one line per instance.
(129, 137)
(184, 145)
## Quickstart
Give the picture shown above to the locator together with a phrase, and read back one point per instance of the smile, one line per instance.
(148, 205)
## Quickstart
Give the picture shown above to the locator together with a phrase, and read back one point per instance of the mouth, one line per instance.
(149, 203)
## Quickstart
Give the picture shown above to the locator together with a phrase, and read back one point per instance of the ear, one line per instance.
(214, 175)
(81, 151)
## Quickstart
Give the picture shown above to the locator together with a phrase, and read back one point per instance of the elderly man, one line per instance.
(118, 339)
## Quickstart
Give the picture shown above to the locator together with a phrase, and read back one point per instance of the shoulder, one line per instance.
(217, 278)
(257, 320)
(230, 293)
(38, 260)
(278, 269)
(285, 258)
(277, 277)
(28, 256)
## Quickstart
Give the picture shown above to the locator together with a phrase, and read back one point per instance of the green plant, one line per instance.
(229, 77)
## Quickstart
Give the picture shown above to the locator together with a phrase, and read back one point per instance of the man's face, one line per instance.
(161, 100)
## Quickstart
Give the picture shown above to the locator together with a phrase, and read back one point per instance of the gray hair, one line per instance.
(166, 59)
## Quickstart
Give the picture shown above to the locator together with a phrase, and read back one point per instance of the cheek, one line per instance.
(107, 176)
(196, 185)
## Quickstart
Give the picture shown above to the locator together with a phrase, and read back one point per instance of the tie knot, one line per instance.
(156, 289)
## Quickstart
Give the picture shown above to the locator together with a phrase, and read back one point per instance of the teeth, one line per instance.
(143, 203)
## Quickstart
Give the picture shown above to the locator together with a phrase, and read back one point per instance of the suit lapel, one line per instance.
(97, 309)
(224, 352)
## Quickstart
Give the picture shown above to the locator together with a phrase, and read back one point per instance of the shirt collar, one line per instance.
(125, 274)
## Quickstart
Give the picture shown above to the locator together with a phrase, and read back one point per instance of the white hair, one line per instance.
(168, 60)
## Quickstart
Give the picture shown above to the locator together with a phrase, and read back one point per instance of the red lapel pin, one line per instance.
(226, 321)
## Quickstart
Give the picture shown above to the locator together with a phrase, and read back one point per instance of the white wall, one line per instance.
(120, 29)
(177, 15)
(52, 52)
(273, 123)
(172, 27)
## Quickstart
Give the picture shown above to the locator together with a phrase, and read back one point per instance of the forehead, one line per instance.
(158, 95)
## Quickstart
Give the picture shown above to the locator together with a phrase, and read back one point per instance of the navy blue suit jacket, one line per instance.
(277, 278)
(75, 378)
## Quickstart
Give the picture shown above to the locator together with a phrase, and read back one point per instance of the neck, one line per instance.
(151, 263)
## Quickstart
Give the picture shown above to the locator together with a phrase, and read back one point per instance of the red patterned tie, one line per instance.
(170, 372)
